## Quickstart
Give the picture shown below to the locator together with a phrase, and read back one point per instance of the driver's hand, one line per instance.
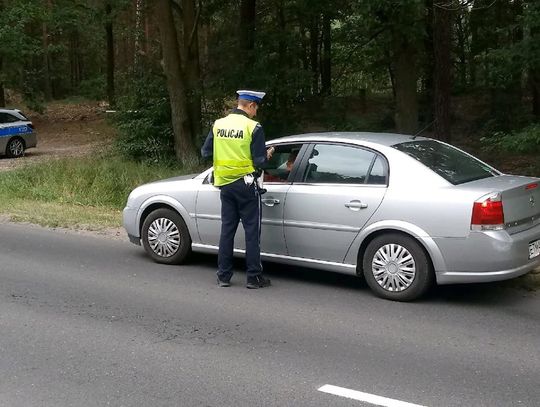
(269, 152)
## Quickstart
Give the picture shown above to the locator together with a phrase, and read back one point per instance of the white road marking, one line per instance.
(368, 398)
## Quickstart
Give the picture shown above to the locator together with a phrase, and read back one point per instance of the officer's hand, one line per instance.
(269, 153)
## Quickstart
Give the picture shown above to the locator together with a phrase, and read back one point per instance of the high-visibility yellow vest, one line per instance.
(232, 148)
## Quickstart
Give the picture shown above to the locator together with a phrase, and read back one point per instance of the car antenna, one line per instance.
(424, 129)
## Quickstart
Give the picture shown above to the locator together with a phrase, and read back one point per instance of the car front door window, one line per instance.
(7, 118)
(281, 164)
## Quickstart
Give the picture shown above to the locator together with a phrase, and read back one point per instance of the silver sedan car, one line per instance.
(403, 212)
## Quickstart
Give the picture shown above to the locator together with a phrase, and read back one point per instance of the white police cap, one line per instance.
(251, 95)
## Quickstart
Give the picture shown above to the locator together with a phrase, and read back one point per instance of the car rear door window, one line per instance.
(377, 175)
(338, 164)
(452, 164)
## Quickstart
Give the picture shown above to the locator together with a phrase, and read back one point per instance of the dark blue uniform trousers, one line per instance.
(240, 202)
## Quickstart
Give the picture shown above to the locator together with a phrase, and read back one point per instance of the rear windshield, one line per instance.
(23, 115)
(450, 163)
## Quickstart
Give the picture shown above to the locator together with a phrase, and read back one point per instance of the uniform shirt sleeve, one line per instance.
(207, 150)
(258, 148)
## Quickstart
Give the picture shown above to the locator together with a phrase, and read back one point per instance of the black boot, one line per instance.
(258, 282)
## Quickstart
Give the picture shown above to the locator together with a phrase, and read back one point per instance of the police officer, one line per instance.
(237, 145)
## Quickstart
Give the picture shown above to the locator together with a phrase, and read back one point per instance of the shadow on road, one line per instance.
(486, 294)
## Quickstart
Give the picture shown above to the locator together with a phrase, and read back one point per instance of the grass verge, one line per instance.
(86, 193)
(51, 214)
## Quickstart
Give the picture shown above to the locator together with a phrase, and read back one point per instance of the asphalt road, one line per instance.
(89, 321)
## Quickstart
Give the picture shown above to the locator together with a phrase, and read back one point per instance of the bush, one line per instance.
(94, 88)
(144, 121)
(526, 140)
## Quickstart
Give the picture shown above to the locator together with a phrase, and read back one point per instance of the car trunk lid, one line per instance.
(520, 198)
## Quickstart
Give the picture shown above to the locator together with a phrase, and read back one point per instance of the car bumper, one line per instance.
(487, 256)
(30, 140)
(129, 220)
(457, 277)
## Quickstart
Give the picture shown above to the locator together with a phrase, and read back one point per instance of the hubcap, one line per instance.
(164, 237)
(393, 267)
(16, 147)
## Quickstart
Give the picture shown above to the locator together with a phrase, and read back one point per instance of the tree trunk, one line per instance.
(137, 48)
(248, 10)
(110, 54)
(2, 93)
(314, 53)
(442, 37)
(392, 77)
(305, 47)
(461, 51)
(281, 95)
(172, 65)
(535, 90)
(304, 57)
(428, 65)
(74, 59)
(405, 86)
(472, 52)
(534, 75)
(192, 68)
(146, 35)
(506, 97)
(517, 38)
(46, 61)
(205, 39)
(326, 73)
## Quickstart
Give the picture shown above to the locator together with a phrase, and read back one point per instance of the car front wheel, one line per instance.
(397, 268)
(165, 237)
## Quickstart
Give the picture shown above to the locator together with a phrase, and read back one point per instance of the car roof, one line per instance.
(385, 139)
(10, 110)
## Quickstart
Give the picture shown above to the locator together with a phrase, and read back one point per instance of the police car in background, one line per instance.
(17, 133)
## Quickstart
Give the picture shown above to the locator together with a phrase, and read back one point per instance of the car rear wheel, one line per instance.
(15, 147)
(397, 268)
(165, 237)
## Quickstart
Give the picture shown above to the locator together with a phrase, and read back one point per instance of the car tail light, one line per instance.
(488, 213)
(31, 125)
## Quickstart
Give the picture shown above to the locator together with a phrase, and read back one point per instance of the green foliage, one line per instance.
(17, 47)
(526, 140)
(496, 48)
(103, 181)
(93, 88)
(144, 121)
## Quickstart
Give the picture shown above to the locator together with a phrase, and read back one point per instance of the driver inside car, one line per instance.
(286, 169)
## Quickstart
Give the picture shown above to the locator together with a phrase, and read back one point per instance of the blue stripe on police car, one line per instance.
(9, 131)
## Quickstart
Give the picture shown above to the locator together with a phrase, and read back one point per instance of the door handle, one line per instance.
(356, 205)
(270, 201)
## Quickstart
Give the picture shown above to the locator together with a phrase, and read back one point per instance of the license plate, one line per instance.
(534, 249)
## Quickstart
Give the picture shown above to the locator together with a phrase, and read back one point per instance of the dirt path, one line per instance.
(65, 130)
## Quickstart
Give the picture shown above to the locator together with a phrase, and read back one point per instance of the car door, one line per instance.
(277, 180)
(339, 188)
(4, 133)
(208, 215)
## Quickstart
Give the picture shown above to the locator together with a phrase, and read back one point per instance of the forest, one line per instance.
(462, 71)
